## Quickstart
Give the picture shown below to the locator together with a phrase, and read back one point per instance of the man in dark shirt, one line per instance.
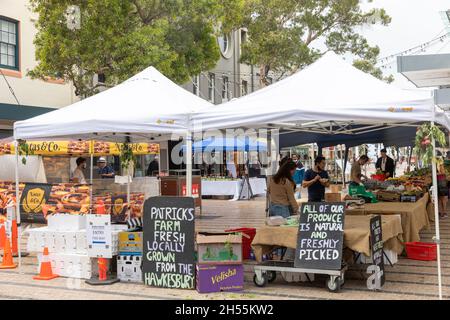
(316, 180)
(104, 170)
(385, 164)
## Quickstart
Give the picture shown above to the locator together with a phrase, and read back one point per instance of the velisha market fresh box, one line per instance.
(220, 278)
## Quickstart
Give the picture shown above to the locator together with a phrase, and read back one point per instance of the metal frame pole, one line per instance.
(19, 227)
(188, 163)
(436, 210)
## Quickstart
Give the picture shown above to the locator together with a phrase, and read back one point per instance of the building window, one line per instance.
(9, 46)
(196, 85)
(244, 88)
(224, 43)
(101, 78)
(225, 89)
(211, 86)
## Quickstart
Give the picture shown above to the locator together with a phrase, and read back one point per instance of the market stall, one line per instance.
(414, 216)
(335, 98)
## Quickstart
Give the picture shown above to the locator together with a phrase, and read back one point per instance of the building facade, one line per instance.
(20, 96)
(230, 78)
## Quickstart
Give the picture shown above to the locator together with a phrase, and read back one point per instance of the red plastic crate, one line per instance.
(378, 177)
(421, 251)
(247, 237)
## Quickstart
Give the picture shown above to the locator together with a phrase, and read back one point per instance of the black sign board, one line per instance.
(376, 245)
(169, 235)
(118, 208)
(34, 197)
(320, 236)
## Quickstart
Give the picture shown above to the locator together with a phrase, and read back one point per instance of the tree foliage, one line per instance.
(286, 35)
(119, 38)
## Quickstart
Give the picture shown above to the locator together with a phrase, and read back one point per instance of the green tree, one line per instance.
(284, 35)
(119, 38)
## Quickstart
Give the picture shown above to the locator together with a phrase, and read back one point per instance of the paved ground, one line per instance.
(407, 280)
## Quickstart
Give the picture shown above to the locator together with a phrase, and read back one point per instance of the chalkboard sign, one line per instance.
(376, 244)
(34, 197)
(320, 236)
(169, 235)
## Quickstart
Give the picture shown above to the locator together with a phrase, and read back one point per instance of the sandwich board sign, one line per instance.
(320, 236)
(169, 237)
(376, 246)
(99, 235)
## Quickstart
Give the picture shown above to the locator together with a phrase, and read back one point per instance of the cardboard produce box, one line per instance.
(333, 197)
(220, 278)
(219, 248)
(130, 243)
(335, 188)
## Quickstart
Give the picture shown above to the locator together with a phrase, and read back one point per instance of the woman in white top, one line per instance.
(77, 174)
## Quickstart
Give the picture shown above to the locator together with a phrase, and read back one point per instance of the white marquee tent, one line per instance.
(328, 90)
(141, 108)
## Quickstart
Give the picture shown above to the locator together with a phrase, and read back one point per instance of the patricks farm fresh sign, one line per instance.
(169, 230)
(320, 236)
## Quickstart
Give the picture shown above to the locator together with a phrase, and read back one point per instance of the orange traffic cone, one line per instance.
(2, 235)
(8, 262)
(46, 272)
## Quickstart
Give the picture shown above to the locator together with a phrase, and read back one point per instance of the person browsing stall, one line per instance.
(78, 174)
(385, 164)
(316, 180)
(281, 191)
(355, 173)
(104, 170)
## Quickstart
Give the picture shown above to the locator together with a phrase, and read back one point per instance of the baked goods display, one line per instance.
(78, 147)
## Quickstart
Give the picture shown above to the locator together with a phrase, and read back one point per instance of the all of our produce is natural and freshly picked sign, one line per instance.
(320, 236)
(169, 231)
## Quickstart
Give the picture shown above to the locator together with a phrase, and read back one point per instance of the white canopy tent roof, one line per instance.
(329, 90)
(143, 107)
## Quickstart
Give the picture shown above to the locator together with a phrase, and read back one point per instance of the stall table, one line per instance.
(356, 236)
(232, 187)
(414, 215)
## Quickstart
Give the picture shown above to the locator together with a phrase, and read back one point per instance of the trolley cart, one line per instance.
(265, 272)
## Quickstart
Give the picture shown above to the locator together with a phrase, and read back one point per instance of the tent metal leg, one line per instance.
(19, 227)
(436, 215)
(188, 164)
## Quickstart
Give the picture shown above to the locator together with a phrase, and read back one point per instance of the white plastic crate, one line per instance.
(70, 265)
(66, 222)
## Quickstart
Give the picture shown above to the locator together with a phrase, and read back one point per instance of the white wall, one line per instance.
(30, 92)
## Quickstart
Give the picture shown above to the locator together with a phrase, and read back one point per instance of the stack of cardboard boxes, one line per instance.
(129, 260)
(219, 266)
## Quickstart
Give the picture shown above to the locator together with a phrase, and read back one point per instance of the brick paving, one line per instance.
(406, 280)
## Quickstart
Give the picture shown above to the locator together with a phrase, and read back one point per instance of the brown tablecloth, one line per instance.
(356, 236)
(414, 215)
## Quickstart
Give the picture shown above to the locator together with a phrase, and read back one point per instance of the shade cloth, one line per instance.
(141, 108)
(356, 236)
(414, 215)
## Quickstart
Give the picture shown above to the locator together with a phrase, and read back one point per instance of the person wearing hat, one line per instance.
(385, 164)
(104, 170)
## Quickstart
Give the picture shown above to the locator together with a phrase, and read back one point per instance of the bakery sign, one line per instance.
(98, 148)
(33, 199)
